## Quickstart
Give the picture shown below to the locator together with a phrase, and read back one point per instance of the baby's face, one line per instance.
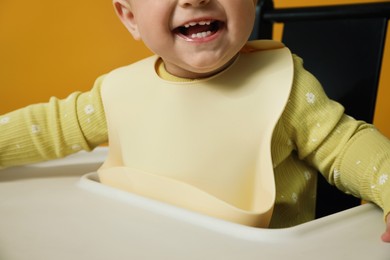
(195, 38)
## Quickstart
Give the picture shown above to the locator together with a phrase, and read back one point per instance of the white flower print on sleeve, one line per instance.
(383, 179)
(294, 197)
(35, 129)
(310, 98)
(5, 120)
(89, 109)
(308, 175)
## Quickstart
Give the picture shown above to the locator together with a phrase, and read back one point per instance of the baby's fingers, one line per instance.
(386, 235)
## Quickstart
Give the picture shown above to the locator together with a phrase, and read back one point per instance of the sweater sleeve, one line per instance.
(53, 130)
(351, 154)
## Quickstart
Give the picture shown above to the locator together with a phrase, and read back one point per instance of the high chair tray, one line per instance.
(59, 210)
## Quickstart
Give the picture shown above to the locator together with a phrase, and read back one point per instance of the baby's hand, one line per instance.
(386, 235)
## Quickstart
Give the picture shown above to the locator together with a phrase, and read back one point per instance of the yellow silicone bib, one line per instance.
(202, 145)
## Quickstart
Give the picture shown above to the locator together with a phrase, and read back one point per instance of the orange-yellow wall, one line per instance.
(52, 48)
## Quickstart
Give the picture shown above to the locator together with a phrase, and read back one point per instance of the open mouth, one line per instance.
(198, 30)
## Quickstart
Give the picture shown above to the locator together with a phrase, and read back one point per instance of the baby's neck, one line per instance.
(163, 72)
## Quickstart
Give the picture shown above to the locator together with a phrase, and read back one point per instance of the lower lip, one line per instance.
(202, 40)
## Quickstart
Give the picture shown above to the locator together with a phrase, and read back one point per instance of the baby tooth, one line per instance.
(196, 23)
(201, 35)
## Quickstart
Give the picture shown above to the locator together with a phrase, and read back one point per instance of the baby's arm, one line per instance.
(351, 154)
(53, 130)
(360, 164)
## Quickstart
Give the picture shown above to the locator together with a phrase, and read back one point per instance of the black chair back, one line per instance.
(343, 47)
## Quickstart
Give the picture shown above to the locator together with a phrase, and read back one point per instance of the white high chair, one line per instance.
(54, 210)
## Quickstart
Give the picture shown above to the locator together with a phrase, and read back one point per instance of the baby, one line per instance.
(211, 123)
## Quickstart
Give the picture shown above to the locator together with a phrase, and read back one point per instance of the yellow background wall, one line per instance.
(52, 48)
